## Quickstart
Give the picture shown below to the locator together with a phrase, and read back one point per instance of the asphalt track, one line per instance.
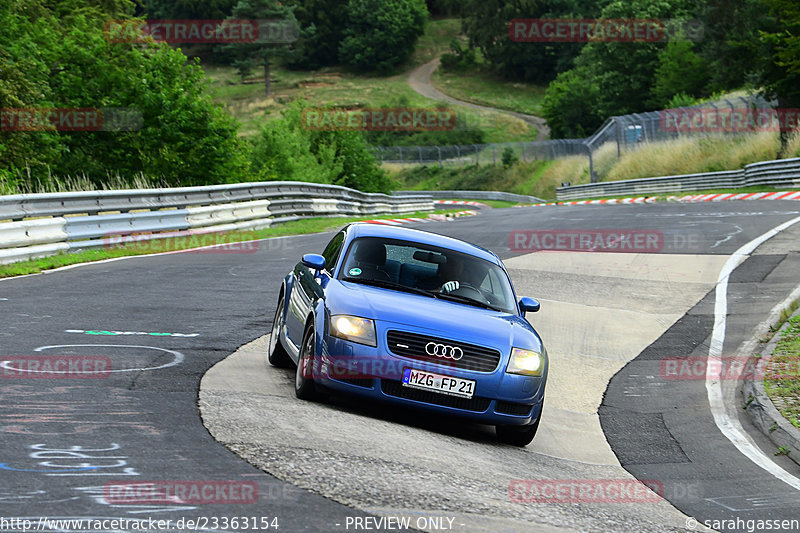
(63, 440)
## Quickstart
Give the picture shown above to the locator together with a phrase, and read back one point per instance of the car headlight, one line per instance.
(526, 362)
(353, 328)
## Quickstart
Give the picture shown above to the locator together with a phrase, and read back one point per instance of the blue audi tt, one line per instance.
(414, 319)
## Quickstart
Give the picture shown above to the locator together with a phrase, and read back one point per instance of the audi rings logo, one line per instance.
(443, 350)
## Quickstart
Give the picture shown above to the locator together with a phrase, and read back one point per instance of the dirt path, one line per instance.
(420, 80)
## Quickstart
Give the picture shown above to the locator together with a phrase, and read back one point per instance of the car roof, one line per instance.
(364, 229)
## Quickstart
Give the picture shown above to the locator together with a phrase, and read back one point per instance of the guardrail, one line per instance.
(472, 195)
(38, 225)
(779, 173)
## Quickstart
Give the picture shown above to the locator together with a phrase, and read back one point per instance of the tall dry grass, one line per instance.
(26, 183)
(693, 155)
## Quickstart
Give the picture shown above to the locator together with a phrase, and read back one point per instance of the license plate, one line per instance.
(418, 379)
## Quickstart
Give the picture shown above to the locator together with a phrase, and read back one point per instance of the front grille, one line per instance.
(511, 408)
(412, 345)
(396, 389)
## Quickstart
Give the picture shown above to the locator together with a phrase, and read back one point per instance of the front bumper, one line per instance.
(499, 399)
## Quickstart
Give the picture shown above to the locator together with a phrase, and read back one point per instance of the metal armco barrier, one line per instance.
(472, 195)
(780, 173)
(38, 225)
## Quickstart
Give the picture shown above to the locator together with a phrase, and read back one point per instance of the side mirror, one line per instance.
(528, 305)
(313, 261)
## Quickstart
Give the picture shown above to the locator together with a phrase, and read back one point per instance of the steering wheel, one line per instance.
(469, 291)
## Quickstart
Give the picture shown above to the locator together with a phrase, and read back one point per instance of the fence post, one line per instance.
(402, 165)
(494, 156)
(439, 149)
(477, 154)
(420, 154)
(458, 154)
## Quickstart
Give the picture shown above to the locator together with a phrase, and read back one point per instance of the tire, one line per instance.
(304, 386)
(276, 353)
(517, 435)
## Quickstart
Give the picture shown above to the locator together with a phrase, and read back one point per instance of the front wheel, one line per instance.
(517, 435)
(304, 386)
(276, 353)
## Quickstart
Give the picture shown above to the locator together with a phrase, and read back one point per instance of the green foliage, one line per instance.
(381, 34)
(680, 71)
(486, 24)
(681, 100)
(616, 78)
(459, 57)
(286, 151)
(779, 50)
(730, 29)
(60, 58)
(248, 55)
(426, 138)
(509, 158)
(323, 22)
(571, 104)
(188, 9)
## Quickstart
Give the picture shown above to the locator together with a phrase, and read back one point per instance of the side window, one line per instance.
(332, 251)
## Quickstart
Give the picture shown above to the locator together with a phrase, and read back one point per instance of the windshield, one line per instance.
(440, 272)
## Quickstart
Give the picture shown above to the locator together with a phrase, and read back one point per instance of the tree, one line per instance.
(264, 50)
(285, 150)
(680, 71)
(571, 105)
(323, 23)
(188, 9)
(179, 135)
(381, 34)
(486, 23)
(730, 27)
(779, 47)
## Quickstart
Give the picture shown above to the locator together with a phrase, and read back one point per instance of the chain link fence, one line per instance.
(475, 154)
(626, 132)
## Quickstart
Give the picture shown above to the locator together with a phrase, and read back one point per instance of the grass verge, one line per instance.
(298, 227)
(490, 203)
(479, 86)
(248, 103)
(782, 379)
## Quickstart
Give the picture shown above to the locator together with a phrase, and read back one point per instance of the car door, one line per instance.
(307, 290)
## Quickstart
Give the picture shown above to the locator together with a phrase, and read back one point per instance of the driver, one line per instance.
(458, 272)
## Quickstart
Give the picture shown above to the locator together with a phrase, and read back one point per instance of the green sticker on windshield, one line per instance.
(355, 272)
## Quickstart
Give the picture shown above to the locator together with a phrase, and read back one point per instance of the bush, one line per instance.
(381, 33)
(509, 158)
(680, 71)
(570, 105)
(286, 151)
(460, 58)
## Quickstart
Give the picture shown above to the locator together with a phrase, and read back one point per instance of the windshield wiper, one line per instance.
(469, 301)
(391, 285)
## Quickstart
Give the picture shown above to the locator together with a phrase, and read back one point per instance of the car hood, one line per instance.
(438, 318)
